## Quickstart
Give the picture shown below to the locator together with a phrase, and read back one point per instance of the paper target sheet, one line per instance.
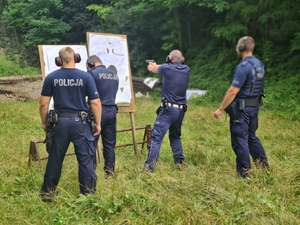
(113, 52)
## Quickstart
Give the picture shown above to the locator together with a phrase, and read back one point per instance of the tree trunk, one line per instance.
(254, 23)
(189, 27)
(2, 18)
(189, 32)
(267, 29)
(16, 35)
(178, 24)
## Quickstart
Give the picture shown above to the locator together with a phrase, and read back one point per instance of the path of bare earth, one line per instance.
(20, 88)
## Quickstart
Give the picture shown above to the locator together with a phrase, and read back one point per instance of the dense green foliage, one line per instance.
(13, 68)
(205, 31)
(206, 191)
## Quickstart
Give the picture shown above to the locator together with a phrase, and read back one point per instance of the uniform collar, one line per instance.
(98, 67)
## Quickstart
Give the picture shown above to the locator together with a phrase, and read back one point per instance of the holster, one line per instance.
(261, 96)
(52, 119)
(89, 118)
(91, 121)
(83, 116)
(164, 103)
(233, 111)
(49, 139)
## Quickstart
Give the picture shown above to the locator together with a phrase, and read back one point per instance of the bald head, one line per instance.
(176, 55)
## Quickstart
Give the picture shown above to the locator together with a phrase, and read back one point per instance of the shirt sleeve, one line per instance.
(92, 92)
(161, 69)
(240, 76)
(47, 90)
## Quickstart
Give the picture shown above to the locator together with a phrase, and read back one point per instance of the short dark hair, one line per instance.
(66, 54)
(95, 59)
(248, 42)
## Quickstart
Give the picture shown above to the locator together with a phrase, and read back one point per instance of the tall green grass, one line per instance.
(13, 68)
(205, 191)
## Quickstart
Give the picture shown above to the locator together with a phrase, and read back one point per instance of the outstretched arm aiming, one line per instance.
(153, 67)
(228, 98)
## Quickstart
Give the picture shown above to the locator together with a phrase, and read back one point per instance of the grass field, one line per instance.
(205, 191)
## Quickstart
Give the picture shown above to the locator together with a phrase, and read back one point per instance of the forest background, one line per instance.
(206, 191)
(206, 31)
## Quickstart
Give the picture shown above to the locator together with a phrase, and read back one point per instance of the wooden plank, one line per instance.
(138, 85)
(17, 79)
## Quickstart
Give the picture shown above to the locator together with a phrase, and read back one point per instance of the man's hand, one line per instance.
(152, 67)
(44, 127)
(97, 129)
(228, 98)
(218, 113)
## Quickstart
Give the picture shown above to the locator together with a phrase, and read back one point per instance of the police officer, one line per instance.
(244, 94)
(107, 83)
(175, 78)
(69, 87)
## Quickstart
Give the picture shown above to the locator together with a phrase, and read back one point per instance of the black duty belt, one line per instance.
(173, 105)
(68, 114)
(252, 102)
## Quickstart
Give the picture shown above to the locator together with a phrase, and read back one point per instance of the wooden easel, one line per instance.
(34, 152)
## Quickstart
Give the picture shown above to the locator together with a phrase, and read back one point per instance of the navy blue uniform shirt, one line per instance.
(174, 82)
(69, 87)
(107, 83)
(243, 76)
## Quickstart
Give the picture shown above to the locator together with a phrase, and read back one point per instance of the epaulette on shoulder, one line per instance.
(245, 63)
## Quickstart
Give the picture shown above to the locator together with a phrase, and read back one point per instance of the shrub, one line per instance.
(12, 68)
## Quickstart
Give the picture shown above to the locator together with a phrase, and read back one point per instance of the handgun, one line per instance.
(150, 60)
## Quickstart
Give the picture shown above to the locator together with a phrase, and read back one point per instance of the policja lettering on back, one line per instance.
(68, 82)
(108, 76)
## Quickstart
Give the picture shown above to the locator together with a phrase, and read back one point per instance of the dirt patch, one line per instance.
(21, 88)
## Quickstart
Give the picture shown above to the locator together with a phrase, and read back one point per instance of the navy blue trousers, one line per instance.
(108, 136)
(245, 142)
(71, 129)
(171, 120)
